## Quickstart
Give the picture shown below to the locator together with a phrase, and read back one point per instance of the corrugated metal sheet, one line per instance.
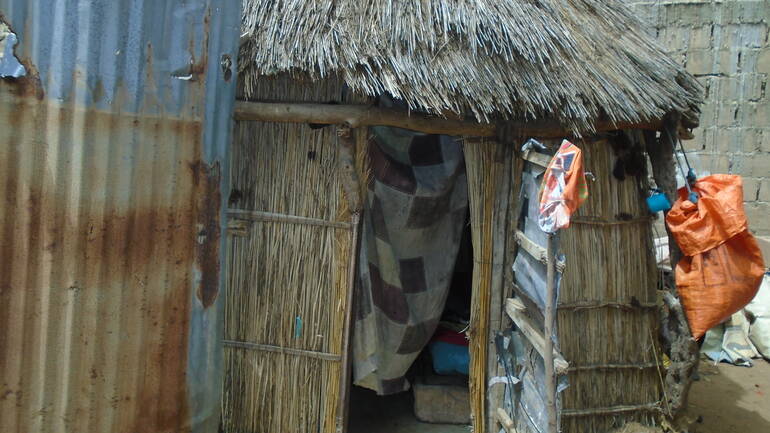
(112, 174)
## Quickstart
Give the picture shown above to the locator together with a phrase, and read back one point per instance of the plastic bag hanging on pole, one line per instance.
(722, 265)
(564, 188)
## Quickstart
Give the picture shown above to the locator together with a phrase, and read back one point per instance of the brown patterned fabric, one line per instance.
(413, 219)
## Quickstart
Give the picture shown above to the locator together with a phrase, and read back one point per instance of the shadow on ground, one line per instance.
(392, 414)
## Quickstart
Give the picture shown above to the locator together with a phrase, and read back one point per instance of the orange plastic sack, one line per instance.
(722, 266)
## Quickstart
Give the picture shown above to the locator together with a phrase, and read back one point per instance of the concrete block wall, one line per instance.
(725, 45)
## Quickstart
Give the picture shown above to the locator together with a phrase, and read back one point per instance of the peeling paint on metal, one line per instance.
(112, 174)
(9, 64)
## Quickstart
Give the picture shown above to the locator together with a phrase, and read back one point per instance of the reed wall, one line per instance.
(607, 319)
(288, 284)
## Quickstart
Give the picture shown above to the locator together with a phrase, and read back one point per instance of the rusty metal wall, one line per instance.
(113, 174)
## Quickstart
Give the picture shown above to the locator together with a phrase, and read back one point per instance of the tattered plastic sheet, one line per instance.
(525, 399)
(564, 188)
(530, 274)
(9, 64)
(729, 342)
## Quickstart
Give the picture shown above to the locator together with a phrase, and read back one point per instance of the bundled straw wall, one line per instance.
(606, 318)
(488, 166)
(288, 281)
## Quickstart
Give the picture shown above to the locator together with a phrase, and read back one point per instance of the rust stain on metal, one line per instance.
(109, 233)
(130, 248)
(206, 180)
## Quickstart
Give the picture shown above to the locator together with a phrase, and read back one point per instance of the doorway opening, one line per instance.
(438, 398)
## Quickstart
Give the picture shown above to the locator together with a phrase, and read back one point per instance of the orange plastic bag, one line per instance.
(564, 188)
(722, 266)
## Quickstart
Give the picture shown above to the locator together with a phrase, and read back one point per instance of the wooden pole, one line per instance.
(350, 185)
(550, 300)
(661, 152)
(504, 156)
(347, 166)
(684, 350)
(347, 364)
(369, 115)
(359, 115)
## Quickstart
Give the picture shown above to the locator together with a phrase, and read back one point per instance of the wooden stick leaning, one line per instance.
(550, 300)
(505, 421)
(515, 310)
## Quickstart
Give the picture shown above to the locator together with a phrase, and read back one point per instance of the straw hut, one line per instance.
(490, 75)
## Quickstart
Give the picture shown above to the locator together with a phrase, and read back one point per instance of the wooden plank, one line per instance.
(535, 312)
(285, 350)
(537, 158)
(254, 215)
(515, 310)
(238, 227)
(505, 420)
(536, 251)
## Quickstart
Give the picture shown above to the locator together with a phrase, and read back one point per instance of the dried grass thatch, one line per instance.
(279, 272)
(611, 350)
(575, 61)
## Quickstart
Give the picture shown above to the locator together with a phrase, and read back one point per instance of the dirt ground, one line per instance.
(391, 414)
(726, 399)
(731, 399)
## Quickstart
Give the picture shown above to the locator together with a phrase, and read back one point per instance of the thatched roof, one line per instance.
(575, 61)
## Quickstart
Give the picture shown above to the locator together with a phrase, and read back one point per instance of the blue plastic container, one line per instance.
(449, 358)
(658, 202)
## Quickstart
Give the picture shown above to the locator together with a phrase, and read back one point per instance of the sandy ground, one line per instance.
(731, 399)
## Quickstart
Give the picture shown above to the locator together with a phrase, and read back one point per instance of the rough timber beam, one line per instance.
(367, 115)
(359, 115)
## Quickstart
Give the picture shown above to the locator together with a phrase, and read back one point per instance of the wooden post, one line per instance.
(550, 300)
(350, 185)
(503, 156)
(344, 404)
(684, 351)
(347, 164)
(661, 152)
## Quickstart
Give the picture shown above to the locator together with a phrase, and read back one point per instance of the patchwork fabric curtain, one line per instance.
(414, 213)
